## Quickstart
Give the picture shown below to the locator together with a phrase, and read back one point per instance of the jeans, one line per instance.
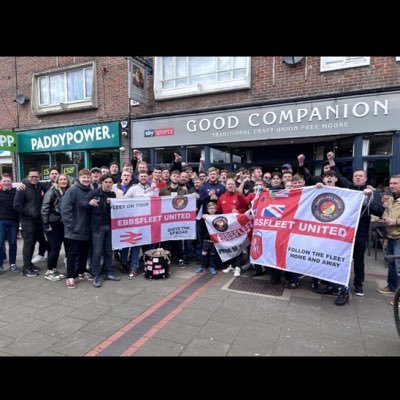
(8, 229)
(393, 279)
(55, 237)
(101, 246)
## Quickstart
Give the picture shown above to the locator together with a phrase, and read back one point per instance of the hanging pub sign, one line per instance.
(137, 81)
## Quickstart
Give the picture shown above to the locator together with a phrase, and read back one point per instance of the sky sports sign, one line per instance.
(159, 132)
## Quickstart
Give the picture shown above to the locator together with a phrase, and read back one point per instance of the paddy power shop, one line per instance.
(70, 148)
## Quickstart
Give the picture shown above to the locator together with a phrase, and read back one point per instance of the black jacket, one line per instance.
(28, 202)
(51, 207)
(7, 212)
(75, 212)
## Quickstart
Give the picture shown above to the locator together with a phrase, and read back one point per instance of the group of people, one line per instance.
(79, 215)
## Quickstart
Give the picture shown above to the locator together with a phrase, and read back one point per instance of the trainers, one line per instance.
(213, 271)
(132, 274)
(229, 269)
(292, 285)
(53, 275)
(29, 273)
(384, 290)
(97, 282)
(38, 258)
(35, 269)
(342, 299)
(359, 291)
(237, 272)
(392, 304)
(112, 277)
(70, 282)
(14, 268)
(86, 276)
(199, 270)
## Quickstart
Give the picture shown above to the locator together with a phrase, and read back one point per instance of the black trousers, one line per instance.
(360, 246)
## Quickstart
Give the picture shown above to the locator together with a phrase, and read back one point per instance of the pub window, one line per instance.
(334, 63)
(344, 147)
(66, 89)
(218, 156)
(165, 156)
(190, 76)
(377, 145)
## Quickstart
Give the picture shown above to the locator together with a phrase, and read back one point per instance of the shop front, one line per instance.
(69, 148)
(363, 131)
(8, 145)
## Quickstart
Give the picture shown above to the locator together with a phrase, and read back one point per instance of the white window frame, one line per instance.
(67, 106)
(197, 89)
(328, 64)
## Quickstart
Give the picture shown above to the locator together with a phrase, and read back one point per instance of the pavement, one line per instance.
(190, 314)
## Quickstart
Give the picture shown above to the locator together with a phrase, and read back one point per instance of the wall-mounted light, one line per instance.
(21, 99)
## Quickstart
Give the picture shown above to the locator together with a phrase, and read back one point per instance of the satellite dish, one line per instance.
(21, 99)
(292, 60)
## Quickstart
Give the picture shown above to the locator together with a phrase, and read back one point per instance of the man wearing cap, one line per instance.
(286, 168)
(95, 175)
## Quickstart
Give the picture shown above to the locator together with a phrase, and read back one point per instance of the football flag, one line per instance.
(146, 220)
(230, 233)
(310, 231)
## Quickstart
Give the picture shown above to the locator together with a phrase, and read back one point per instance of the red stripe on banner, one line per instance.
(179, 216)
(155, 209)
(135, 222)
(282, 238)
(338, 232)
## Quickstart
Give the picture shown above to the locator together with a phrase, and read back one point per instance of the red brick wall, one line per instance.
(302, 80)
(112, 91)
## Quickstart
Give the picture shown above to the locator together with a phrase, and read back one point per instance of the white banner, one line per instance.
(230, 233)
(146, 220)
(310, 231)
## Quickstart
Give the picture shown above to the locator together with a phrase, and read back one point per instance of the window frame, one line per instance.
(346, 62)
(68, 106)
(199, 88)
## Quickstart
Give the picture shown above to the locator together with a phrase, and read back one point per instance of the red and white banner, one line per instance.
(310, 231)
(230, 233)
(146, 220)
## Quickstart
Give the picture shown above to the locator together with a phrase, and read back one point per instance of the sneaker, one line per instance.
(359, 291)
(384, 290)
(292, 285)
(112, 277)
(86, 276)
(213, 271)
(229, 269)
(181, 264)
(35, 269)
(38, 258)
(70, 282)
(199, 270)
(132, 274)
(14, 268)
(342, 299)
(237, 272)
(29, 273)
(97, 282)
(53, 275)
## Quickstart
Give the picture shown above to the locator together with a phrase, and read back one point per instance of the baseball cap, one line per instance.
(95, 169)
(286, 166)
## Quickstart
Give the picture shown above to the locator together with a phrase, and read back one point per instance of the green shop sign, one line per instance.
(8, 141)
(80, 137)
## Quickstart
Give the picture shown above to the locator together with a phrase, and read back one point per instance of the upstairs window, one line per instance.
(190, 76)
(68, 89)
(334, 63)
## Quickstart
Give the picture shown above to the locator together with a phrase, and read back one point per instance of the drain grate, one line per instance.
(260, 286)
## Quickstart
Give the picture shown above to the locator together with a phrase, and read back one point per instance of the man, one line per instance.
(8, 222)
(391, 218)
(28, 203)
(371, 205)
(75, 213)
(95, 175)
